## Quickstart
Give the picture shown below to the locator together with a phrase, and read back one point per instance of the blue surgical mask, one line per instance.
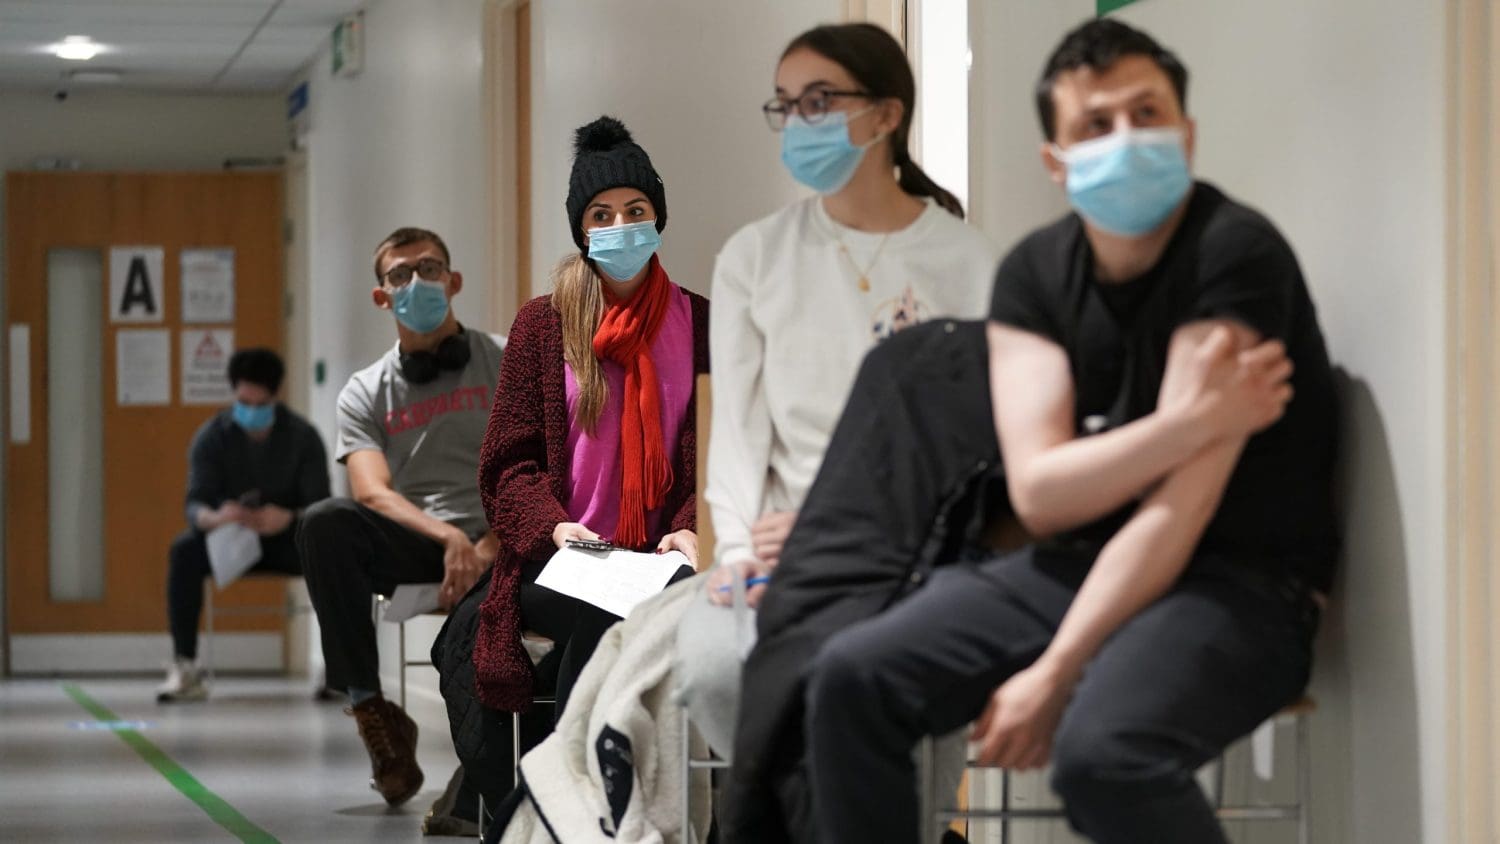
(254, 418)
(1128, 182)
(421, 305)
(621, 251)
(820, 155)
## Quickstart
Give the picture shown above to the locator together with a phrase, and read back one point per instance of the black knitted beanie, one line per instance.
(604, 157)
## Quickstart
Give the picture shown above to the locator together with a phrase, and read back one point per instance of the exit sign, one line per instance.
(1107, 6)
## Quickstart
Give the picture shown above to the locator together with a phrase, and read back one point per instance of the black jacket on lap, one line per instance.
(909, 478)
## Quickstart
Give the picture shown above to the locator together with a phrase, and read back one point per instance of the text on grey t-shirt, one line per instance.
(429, 433)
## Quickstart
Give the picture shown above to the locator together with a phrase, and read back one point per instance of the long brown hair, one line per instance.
(876, 61)
(578, 298)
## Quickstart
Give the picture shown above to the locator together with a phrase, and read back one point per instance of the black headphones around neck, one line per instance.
(452, 353)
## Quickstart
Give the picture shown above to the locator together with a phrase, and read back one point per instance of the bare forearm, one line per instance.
(1081, 480)
(394, 506)
(1142, 561)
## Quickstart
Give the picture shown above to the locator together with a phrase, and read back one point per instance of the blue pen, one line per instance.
(754, 581)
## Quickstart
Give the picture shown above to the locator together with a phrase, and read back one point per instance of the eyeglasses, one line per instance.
(427, 269)
(812, 105)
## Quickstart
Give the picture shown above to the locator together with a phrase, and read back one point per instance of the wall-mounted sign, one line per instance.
(135, 284)
(349, 45)
(205, 365)
(207, 285)
(143, 366)
(1107, 6)
(298, 116)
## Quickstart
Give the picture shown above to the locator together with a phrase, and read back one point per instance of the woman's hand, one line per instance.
(682, 540)
(570, 530)
(768, 535)
(720, 583)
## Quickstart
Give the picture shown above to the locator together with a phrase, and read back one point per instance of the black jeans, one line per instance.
(1195, 670)
(188, 567)
(351, 553)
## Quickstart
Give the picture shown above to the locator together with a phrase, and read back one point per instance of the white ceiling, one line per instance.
(206, 46)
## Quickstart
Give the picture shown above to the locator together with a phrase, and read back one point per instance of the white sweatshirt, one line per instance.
(789, 328)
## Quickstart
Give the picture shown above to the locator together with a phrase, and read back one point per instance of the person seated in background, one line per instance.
(255, 464)
(409, 431)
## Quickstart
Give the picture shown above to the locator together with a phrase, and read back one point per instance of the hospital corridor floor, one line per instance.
(84, 760)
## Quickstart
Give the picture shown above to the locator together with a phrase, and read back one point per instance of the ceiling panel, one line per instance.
(170, 45)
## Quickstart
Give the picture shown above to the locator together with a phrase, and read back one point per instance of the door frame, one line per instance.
(1473, 421)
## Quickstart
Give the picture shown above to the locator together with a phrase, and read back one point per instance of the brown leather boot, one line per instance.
(391, 738)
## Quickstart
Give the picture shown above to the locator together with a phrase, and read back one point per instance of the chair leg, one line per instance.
(1004, 805)
(927, 802)
(1304, 783)
(481, 817)
(208, 630)
(1219, 778)
(515, 744)
(401, 651)
(687, 776)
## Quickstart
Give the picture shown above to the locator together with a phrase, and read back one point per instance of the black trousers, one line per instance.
(188, 567)
(1200, 667)
(351, 553)
(575, 627)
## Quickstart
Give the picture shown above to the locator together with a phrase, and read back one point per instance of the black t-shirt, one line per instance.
(1224, 261)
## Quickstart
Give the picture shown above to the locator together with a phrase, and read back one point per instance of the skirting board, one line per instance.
(126, 653)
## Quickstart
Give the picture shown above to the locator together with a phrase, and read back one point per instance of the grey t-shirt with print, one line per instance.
(430, 433)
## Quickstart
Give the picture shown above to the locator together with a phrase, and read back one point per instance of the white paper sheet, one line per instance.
(135, 284)
(205, 359)
(232, 550)
(207, 280)
(143, 367)
(615, 581)
(410, 600)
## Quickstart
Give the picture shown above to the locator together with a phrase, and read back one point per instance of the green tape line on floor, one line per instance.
(212, 804)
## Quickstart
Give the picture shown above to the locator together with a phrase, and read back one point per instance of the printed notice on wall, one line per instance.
(207, 285)
(135, 284)
(143, 366)
(205, 359)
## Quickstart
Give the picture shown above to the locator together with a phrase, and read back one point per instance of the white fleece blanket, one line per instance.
(612, 771)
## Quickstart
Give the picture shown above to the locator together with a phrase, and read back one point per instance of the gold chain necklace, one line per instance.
(863, 274)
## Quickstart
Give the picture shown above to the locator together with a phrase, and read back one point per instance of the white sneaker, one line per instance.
(184, 682)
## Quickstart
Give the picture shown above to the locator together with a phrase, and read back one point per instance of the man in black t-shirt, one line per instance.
(1175, 465)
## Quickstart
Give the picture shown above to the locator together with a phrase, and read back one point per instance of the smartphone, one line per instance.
(590, 544)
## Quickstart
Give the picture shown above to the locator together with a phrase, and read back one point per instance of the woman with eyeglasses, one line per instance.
(592, 432)
(799, 298)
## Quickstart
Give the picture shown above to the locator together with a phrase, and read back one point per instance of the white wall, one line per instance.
(1329, 117)
(403, 143)
(107, 130)
(688, 78)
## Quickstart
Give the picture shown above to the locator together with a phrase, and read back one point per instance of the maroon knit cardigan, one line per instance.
(523, 480)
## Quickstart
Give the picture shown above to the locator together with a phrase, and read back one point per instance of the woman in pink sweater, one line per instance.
(592, 430)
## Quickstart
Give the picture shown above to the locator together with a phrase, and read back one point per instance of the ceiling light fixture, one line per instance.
(76, 48)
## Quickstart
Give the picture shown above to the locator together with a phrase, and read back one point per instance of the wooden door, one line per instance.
(144, 447)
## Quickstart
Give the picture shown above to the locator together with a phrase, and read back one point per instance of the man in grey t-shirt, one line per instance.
(410, 428)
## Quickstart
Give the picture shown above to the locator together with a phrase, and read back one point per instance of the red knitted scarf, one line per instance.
(624, 336)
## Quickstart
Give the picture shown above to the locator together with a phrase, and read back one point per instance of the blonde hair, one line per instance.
(578, 298)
